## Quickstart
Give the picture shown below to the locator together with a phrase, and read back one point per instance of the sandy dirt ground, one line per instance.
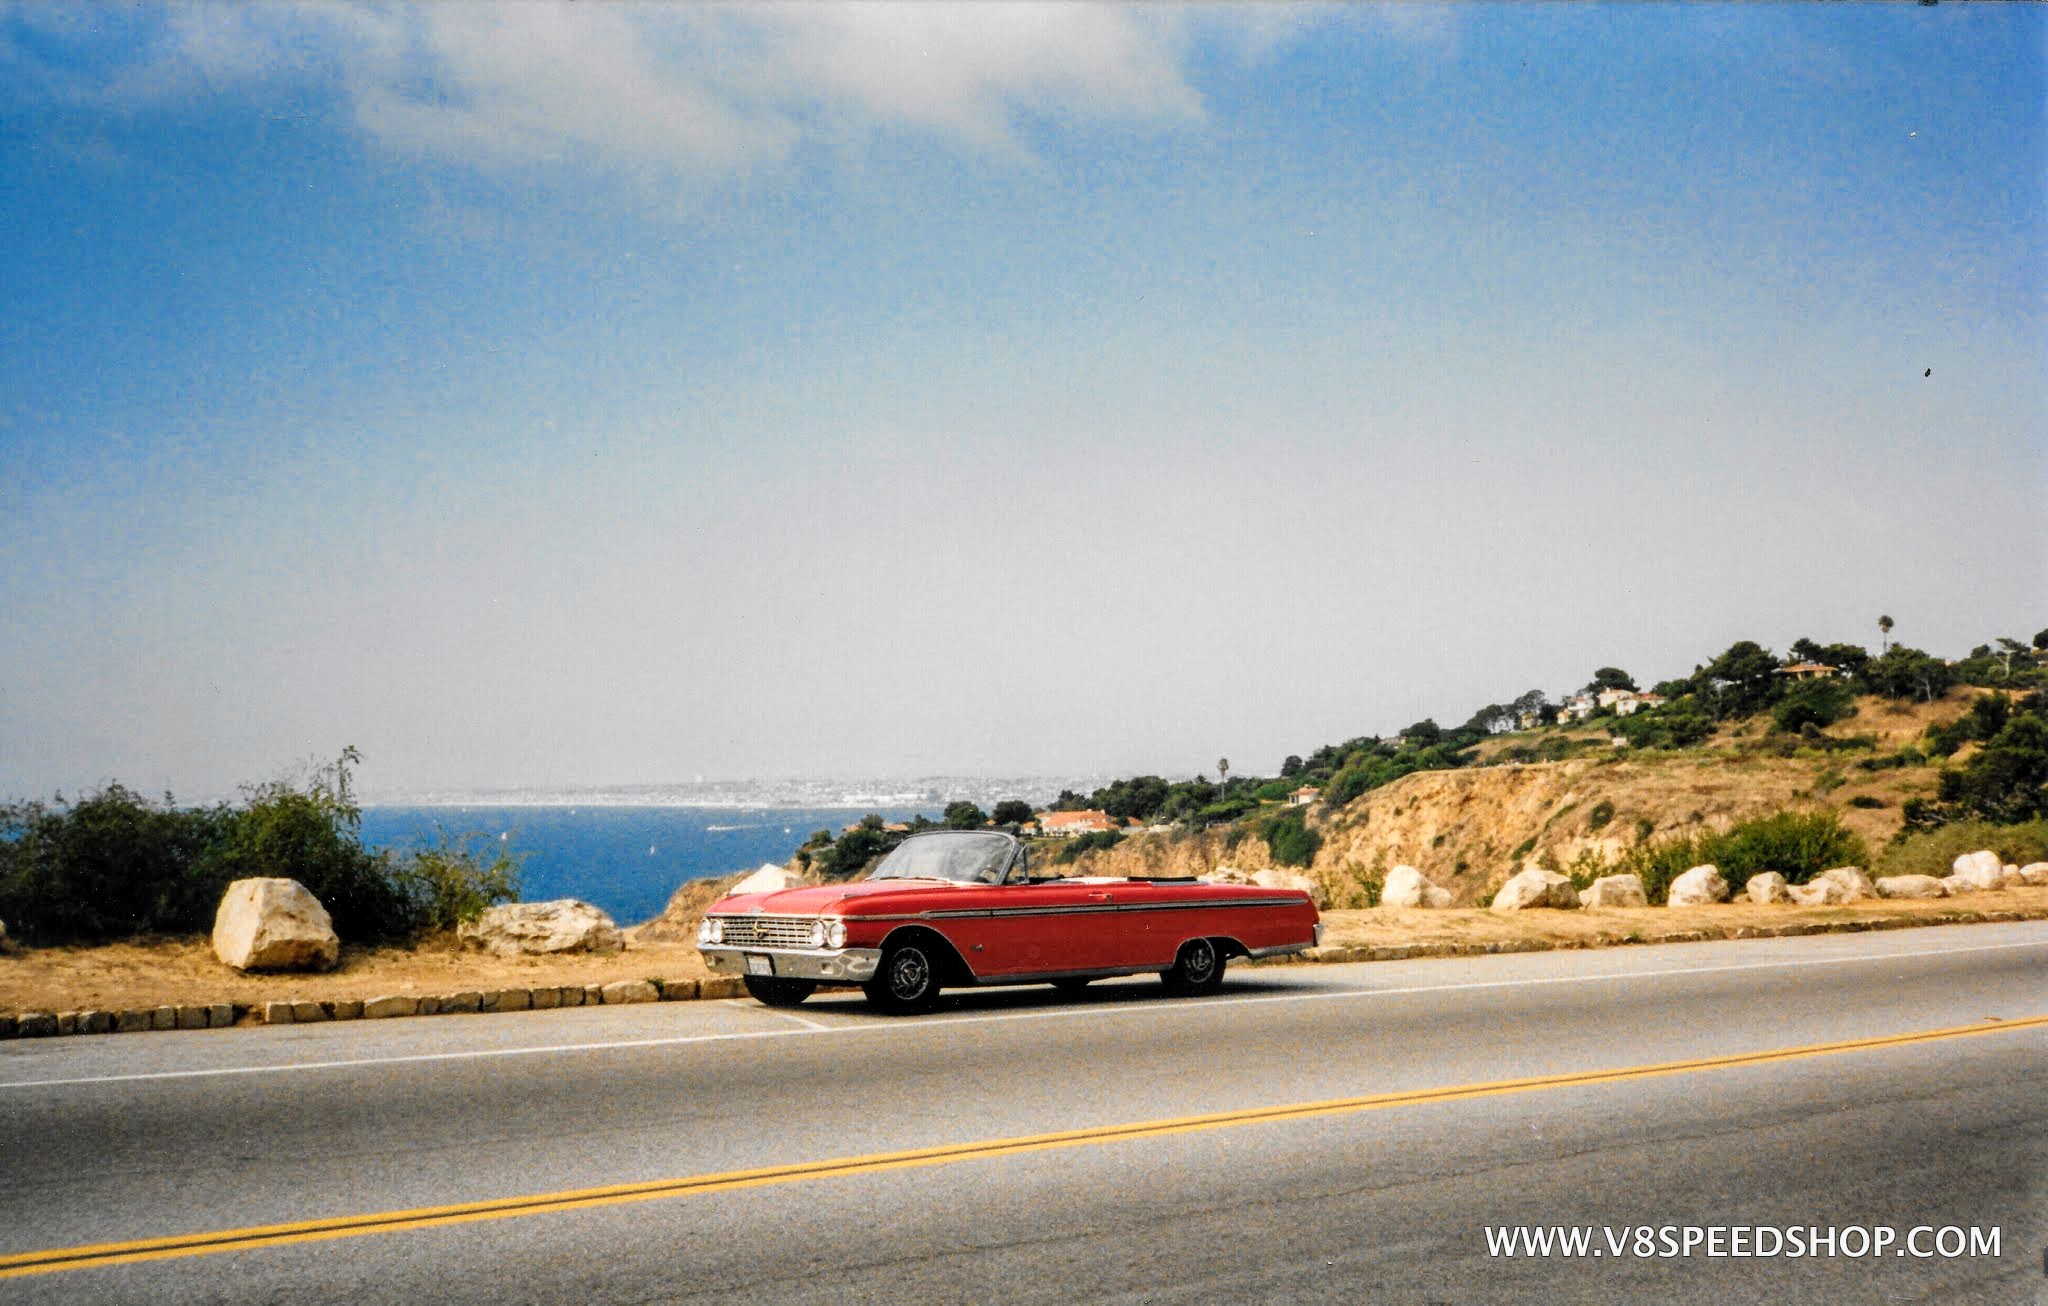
(173, 971)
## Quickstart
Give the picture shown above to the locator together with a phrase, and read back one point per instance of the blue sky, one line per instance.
(536, 395)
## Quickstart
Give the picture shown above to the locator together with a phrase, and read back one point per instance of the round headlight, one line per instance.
(817, 935)
(835, 933)
(711, 930)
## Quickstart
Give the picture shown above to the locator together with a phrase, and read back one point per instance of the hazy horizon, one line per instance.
(539, 396)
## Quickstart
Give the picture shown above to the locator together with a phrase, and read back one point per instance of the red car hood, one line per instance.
(812, 899)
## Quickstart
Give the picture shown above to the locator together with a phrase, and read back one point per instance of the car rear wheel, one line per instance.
(780, 992)
(1198, 968)
(907, 982)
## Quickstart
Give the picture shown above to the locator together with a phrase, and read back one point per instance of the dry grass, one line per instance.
(1390, 927)
(163, 972)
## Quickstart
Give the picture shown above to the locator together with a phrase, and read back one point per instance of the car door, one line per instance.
(1051, 926)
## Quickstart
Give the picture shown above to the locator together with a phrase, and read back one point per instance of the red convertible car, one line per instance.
(957, 908)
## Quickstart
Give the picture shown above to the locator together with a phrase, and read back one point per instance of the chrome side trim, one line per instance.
(1075, 909)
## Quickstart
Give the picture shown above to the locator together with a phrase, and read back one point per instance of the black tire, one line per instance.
(1198, 969)
(780, 992)
(1072, 986)
(908, 980)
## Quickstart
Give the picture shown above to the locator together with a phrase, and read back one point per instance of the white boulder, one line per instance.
(1956, 886)
(2035, 873)
(2011, 878)
(1226, 875)
(1910, 886)
(1855, 886)
(1615, 891)
(1408, 887)
(271, 923)
(1698, 887)
(1767, 887)
(769, 879)
(1535, 887)
(1979, 870)
(1274, 877)
(536, 928)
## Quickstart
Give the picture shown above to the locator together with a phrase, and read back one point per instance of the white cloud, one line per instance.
(690, 91)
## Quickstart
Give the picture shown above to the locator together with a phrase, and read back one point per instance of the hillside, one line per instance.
(1469, 829)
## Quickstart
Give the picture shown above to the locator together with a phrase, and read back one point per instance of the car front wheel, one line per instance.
(907, 982)
(780, 992)
(1198, 968)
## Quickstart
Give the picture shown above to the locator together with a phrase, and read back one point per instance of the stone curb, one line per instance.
(299, 1011)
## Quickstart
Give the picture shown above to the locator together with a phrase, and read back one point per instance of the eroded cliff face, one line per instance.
(1470, 829)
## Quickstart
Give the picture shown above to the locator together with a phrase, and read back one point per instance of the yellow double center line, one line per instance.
(427, 1217)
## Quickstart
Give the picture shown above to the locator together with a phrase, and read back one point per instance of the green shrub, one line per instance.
(1290, 840)
(452, 881)
(1798, 845)
(1814, 703)
(1866, 800)
(1933, 852)
(113, 865)
(1602, 813)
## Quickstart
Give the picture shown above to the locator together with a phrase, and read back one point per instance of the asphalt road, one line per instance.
(1383, 1192)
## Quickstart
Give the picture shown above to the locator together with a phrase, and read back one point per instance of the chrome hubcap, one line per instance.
(1201, 961)
(909, 974)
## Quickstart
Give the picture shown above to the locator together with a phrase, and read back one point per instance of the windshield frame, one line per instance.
(1003, 857)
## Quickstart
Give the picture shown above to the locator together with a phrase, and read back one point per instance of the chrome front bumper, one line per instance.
(826, 965)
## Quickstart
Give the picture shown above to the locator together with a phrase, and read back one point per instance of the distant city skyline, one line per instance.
(546, 396)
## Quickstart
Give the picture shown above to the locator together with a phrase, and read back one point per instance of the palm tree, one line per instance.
(1884, 630)
(1222, 776)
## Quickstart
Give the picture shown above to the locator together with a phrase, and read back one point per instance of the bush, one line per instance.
(1866, 800)
(1933, 852)
(1798, 845)
(110, 865)
(451, 881)
(1602, 813)
(113, 865)
(1815, 703)
(1290, 840)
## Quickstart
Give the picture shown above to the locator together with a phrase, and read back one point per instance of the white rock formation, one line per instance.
(2034, 873)
(1979, 870)
(1855, 886)
(1615, 891)
(1910, 886)
(769, 879)
(1408, 887)
(1698, 887)
(563, 925)
(270, 923)
(1767, 887)
(1274, 877)
(1535, 887)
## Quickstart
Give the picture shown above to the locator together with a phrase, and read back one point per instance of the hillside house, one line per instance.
(1303, 796)
(1577, 708)
(1628, 702)
(1809, 671)
(1067, 825)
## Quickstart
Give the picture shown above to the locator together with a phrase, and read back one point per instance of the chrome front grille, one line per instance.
(767, 931)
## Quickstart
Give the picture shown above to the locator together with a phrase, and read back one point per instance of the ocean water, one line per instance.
(627, 860)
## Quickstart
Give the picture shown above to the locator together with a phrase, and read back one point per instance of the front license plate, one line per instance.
(759, 965)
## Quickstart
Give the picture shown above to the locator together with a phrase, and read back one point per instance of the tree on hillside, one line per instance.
(2041, 641)
(964, 815)
(1884, 634)
(1908, 673)
(1611, 678)
(1740, 681)
(1011, 811)
(1423, 733)
(1291, 767)
(1849, 657)
(1534, 701)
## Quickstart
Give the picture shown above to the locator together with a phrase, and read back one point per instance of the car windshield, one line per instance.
(964, 858)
